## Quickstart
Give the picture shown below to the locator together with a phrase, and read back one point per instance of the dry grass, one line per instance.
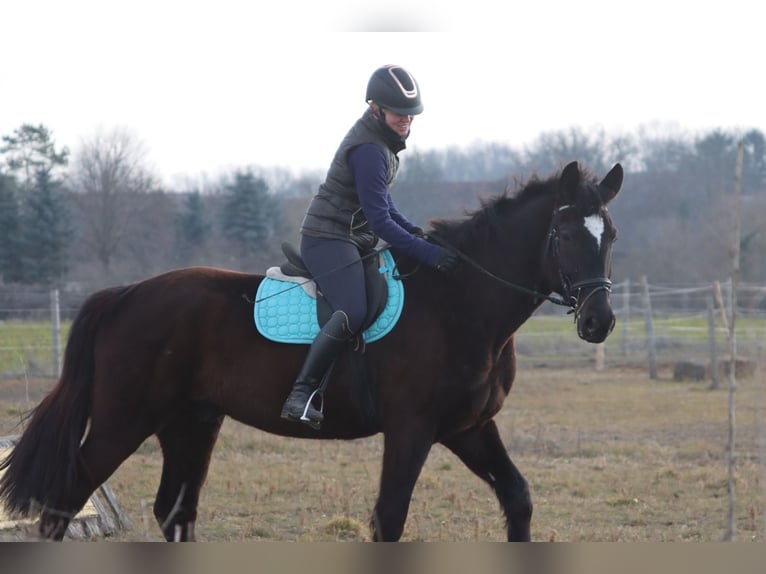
(609, 456)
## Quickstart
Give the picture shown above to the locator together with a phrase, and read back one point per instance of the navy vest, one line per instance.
(335, 211)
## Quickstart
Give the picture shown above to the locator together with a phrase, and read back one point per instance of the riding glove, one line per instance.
(418, 232)
(447, 260)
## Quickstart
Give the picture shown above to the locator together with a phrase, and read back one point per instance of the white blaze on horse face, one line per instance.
(595, 224)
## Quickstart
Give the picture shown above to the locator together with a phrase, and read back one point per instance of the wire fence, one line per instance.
(659, 326)
(661, 323)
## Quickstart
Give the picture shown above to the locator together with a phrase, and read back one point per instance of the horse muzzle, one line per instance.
(593, 312)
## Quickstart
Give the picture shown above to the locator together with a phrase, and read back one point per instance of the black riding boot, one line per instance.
(332, 337)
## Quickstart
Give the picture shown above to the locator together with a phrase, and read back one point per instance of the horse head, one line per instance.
(579, 248)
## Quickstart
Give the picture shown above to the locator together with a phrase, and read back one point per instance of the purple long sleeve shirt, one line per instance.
(368, 166)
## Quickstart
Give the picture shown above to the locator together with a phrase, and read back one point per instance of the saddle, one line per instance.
(285, 313)
(375, 283)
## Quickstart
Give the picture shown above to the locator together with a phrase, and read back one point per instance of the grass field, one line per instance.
(27, 348)
(609, 456)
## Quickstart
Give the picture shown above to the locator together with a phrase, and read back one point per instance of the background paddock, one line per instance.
(609, 455)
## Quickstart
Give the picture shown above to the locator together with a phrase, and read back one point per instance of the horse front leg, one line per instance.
(404, 452)
(482, 451)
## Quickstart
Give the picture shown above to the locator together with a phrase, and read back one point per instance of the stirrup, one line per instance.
(314, 424)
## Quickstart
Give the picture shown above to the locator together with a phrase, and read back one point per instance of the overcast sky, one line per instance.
(208, 86)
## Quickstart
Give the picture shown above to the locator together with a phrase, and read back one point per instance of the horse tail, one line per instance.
(42, 467)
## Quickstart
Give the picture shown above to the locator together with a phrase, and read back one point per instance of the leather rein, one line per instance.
(573, 290)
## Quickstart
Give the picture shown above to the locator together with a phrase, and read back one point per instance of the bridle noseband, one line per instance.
(598, 284)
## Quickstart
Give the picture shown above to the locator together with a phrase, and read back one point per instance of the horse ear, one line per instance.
(611, 183)
(570, 179)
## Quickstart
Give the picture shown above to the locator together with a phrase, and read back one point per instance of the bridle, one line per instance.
(572, 291)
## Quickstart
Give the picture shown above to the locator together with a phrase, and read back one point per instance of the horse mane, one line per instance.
(495, 209)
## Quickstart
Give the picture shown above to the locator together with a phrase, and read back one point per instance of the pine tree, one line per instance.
(10, 257)
(31, 149)
(193, 223)
(46, 230)
(193, 226)
(250, 213)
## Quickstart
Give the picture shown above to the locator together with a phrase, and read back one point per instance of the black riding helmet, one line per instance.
(394, 88)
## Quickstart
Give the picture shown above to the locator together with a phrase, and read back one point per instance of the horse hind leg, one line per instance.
(187, 443)
(54, 524)
(483, 452)
(102, 452)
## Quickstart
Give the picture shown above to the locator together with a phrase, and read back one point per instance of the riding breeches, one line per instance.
(338, 271)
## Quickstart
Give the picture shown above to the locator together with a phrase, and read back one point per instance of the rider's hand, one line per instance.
(418, 232)
(447, 260)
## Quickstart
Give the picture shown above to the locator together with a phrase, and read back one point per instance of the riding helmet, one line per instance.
(394, 88)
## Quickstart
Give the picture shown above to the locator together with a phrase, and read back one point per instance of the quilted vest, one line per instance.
(335, 211)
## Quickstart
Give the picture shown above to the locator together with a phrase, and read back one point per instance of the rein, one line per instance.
(488, 273)
(571, 301)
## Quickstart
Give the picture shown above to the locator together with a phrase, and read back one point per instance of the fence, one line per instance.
(657, 324)
(33, 328)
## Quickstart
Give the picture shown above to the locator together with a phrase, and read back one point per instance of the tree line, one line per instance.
(97, 216)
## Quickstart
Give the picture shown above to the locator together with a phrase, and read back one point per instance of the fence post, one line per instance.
(626, 317)
(721, 307)
(56, 322)
(600, 356)
(711, 339)
(731, 527)
(650, 343)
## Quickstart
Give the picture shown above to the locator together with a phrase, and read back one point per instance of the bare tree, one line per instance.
(113, 185)
(552, 150)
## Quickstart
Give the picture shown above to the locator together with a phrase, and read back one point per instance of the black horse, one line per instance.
(174, 354)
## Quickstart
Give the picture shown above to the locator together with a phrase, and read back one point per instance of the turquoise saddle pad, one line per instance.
(285, 313)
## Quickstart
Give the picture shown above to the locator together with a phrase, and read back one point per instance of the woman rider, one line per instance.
(350, 212)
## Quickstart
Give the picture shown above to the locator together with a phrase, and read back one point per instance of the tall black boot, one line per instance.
(332, 338)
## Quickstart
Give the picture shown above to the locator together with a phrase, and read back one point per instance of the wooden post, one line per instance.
(56, 322)
(600, 356)
(731, 528)
(721, 306)
(625, 317)
(650, 342)
(711, 339)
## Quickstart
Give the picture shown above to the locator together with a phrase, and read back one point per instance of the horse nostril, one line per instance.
(594, 328)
